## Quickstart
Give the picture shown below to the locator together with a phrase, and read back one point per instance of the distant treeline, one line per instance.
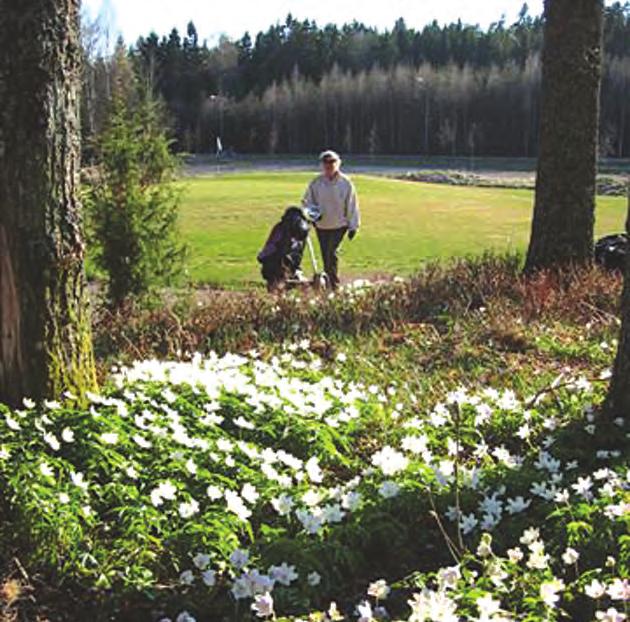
(453, 89)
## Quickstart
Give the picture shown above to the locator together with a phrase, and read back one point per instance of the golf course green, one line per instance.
(225, 220)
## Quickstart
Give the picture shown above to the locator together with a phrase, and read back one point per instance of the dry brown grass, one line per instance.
(437, 295)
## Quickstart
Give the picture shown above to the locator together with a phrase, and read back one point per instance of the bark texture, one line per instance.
(564, 213)
(45, 339)
(618, 399)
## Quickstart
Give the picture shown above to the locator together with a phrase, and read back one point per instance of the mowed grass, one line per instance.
(225, 220)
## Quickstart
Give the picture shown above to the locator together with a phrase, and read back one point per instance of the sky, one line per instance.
(133, 18)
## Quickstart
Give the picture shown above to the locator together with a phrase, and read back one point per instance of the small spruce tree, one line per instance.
(134, 204)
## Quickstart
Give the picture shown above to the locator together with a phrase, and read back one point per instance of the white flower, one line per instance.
(214, 492)
(64, 498)
(485, 549)
(52, 441)
(184, 616)
(468, 523)
(487, 606)
(388, 489)
(12, 423)
(517, 505)
(249, 493)
(562, 496)
(365, 613)
(570, 556)
(311, 522)
(46, 470)
(191, 467)
(109, 438)
(201, 560)
(78, 480)
(612, 615)
(333, 513)
(444, 472)
(314, 579)
(311, 497)
(538, 559)
(549, 591)
(166, 490)
(530, 535)
(283, 504)
(515, 555)
(595, 589)
(187, 577)
(434, 606)
(379, 589)
(448, 577)
(524, 431)
(283, 574)
(239, 558)
(351, 500)
(209, 577)
(390, 461)
(243, 423)
(236, 505)
(263, 605)
(490, 521)
(141, 441)
(28, 403)
(619, 589)
(492, 505)
(313, 470)
(415, 444)
(496, 572)
(583, 486)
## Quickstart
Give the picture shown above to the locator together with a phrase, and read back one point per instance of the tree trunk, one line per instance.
(45, 339)
(618, 399)
(564, 214)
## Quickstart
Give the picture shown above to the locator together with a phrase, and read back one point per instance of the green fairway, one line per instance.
(226, 218)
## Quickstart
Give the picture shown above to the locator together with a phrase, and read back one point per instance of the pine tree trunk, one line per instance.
(564, 214)
(45, 339)
(618, 400)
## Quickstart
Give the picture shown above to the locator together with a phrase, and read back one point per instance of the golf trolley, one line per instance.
(281, 257)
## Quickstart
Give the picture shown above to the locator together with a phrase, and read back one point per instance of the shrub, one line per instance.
(438, 295)
(133, 203)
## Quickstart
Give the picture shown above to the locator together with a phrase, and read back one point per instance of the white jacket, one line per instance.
(336, 199)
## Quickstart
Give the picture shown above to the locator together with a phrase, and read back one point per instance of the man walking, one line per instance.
(333, 195)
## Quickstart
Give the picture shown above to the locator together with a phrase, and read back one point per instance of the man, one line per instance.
(333, 195)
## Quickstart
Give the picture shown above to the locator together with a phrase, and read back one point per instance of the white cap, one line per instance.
(329, 155)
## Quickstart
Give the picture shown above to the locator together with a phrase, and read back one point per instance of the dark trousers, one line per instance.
(329, 241)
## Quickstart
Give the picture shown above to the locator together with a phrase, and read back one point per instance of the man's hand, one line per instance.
(352, 235)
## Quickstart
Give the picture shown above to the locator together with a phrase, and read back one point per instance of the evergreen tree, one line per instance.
(133, 203)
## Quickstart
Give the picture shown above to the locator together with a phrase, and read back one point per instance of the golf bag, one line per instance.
(281, 257)
(611, 252)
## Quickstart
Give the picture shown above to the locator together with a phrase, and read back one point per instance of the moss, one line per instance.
(71, 366)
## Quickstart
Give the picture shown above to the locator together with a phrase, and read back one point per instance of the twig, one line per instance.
(460, 539)
(22, 570)
(554, 388)
(452, 548)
